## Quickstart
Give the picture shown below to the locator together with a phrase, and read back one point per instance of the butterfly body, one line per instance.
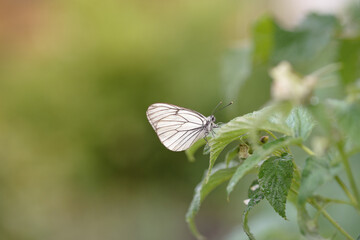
(210, 123)
(178, 128)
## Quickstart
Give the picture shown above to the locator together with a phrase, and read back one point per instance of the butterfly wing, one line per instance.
(177, 128)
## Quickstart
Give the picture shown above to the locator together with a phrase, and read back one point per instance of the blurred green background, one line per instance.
(78, 159)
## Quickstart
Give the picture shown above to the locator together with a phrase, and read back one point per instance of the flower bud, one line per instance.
(264, 139)
(243, 151)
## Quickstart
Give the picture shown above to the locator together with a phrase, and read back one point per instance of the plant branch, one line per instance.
(273, 136)
(294, 191)
(354, 201)
(346, 190)
(332, 200)
(349, 173)
(330, 219)
(316, 205)
(270, 133)
(353, 151)
(307, 150)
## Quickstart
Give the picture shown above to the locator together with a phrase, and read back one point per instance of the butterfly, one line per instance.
(179, 128)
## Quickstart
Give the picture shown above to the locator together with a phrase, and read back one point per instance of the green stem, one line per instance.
(353, 151)
(331, 220)
(270, 133)
(294, 191)
(286, 149)
(323, 198)
(296, 183)
(348, 172)
(338, 201)
(332, 200)
(351, 197)
(346, 190)
(314, 203)
(307, 150)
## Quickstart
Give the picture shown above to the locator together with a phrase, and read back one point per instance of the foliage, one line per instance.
(255, 196)
(275, 176)
(220, 174)
(299, 106)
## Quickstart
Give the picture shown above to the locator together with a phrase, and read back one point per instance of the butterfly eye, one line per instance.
(213, 118)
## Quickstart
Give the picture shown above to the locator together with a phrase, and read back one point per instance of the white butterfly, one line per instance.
(178, 128)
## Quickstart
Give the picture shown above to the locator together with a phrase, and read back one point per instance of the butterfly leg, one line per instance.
(207, 142)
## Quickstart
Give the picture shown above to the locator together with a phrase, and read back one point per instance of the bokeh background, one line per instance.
(78, 159)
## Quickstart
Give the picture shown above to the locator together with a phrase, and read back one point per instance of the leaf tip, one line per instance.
(229, 189)
(208, 174)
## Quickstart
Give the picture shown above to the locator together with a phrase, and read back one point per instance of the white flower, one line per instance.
(289, 86)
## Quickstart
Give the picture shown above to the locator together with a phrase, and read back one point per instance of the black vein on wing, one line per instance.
(156, 123)
(177, 131)
(195, 114)
(185, 140)
(181, 139)
(192, 142)
(174, 125)
(176, 108)
(162, 116)
(190, 121)
(157, 111)
(170, 130)
(166, 110)
(176, 140)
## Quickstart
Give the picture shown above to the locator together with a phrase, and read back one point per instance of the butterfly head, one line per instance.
(211, 123)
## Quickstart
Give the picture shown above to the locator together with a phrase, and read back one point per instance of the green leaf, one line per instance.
(263, 39)
(269, 118)
(259, 155)
(308, 47)
(235, 70)
(316, 172)
(221, 173)
(348, 118)
(308, 226)
(275, 177)
(321, 114)
(206, 149)
(230, 155)
(353, 16)
(301, 122)
(349, 56)
(190, 152)
(256, 195)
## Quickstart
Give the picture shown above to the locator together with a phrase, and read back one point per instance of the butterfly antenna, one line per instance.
(217, 110)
